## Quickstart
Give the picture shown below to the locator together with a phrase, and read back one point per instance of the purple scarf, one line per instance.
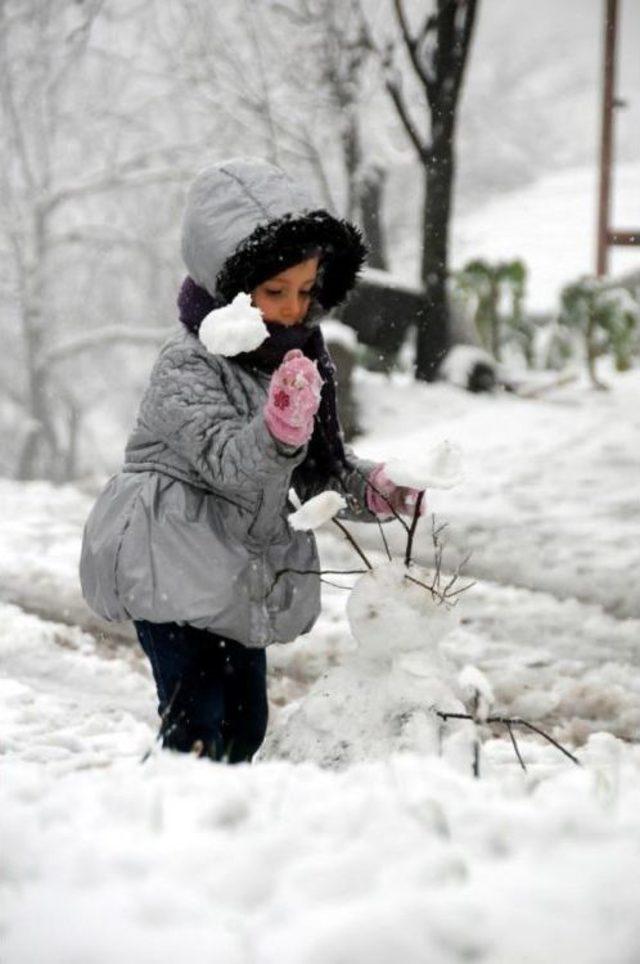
(325, 455)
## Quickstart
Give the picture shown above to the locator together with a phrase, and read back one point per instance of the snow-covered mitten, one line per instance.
(293, 399)
(401, 497)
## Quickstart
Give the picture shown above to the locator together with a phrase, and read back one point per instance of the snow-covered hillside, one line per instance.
(551, 226)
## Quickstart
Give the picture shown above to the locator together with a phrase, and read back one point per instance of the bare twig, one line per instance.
(458, 592)
(515, 746)
(384, 540)
(394, 512)
(353, 542)
(412, 528)
(436, 530)
(540, 732)
(456, 573)
(476, 738)
(315, 572)
(511, 721)
(335, 585)
(476, 759)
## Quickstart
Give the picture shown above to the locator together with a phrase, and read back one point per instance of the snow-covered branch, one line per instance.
(112, 334)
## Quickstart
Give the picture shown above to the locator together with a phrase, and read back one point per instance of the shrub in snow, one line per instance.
(606, 319)
(496, 295)
(555, 346)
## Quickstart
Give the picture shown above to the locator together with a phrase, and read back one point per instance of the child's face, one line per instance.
(286, 297)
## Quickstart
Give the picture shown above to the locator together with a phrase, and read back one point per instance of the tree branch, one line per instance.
(421, 146)
(462, 45)
(411, 43)
(102, 336)
(110, 182)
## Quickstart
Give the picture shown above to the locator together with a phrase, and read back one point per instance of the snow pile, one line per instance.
(316, 511)
(233, 329)
(404, 859)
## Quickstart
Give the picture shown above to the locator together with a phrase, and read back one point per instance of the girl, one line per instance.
(187, 538)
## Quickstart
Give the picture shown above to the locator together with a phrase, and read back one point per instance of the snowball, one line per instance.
(389, 614)
(316, 511)
(233, 329)
(471, 680)
(440, 467)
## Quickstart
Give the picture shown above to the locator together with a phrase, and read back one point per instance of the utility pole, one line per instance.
(606, 235)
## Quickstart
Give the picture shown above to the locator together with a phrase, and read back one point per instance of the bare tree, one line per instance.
(60, 167)
(288, 76)
(437, 52)
(342, 52)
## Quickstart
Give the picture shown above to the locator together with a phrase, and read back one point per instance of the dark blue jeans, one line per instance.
(212, 691)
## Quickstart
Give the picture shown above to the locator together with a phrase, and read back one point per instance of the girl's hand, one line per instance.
(402, 498)
(293, 399)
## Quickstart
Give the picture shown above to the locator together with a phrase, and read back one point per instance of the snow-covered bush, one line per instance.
(496, 294)
(605, 317)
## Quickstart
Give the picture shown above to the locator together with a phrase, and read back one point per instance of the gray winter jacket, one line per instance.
(194, 528)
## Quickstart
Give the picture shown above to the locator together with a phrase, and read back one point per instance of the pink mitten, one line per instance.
(293, 399)
(402, 498)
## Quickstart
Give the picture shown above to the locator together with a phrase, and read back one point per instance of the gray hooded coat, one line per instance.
(194, 528)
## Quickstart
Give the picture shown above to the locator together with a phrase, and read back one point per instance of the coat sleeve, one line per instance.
(191, 408)
(351, 483)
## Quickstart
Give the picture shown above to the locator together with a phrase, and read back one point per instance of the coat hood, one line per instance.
(246, 219)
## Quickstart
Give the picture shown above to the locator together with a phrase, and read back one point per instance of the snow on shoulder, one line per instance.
(316, 511)
(235, 328)
(440, 467)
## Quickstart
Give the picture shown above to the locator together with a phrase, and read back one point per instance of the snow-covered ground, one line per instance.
(554, 222)
(350, 839)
